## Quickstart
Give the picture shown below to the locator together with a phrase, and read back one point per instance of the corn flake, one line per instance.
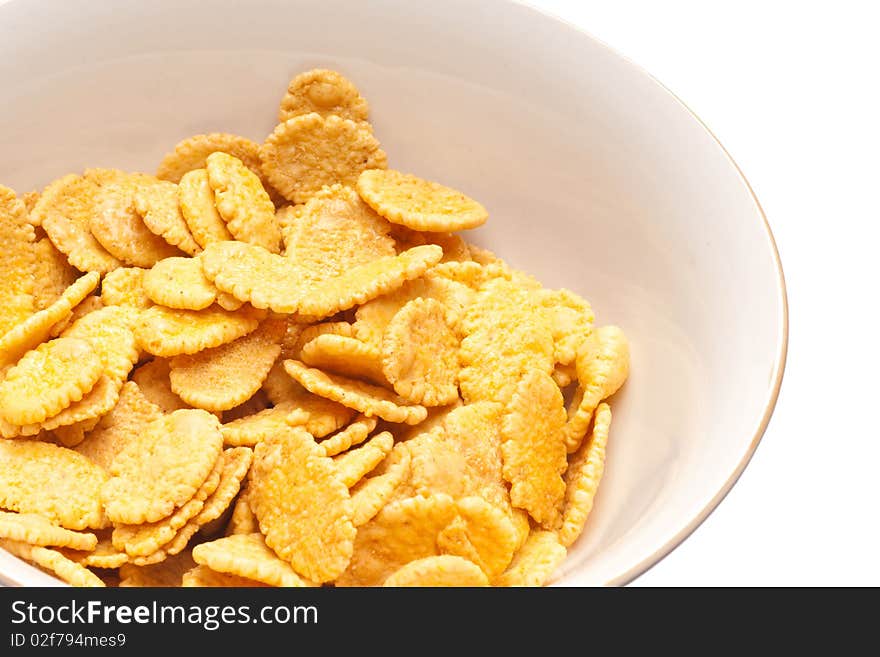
(303, 508)
(443, 570)
(183, 445)
(346, 356)
(242, 202)
(535, 562)
(420, 353)
(124, 287)
(52, 481)
(585, 469)
(179, 283)
(18, 261)
(324, 92)
(533, 448)
(202, 576)
(354, 465)
(309, 151)
(169, 332)
(159, 208)
(370, 494)
(167, 573)
(154, 384)
(37, 530)
(246, 555)
(221, 378)
(363, 397)
(52, 560)
(602, 367)
(52, 275)
(354, 434)
(196, 200)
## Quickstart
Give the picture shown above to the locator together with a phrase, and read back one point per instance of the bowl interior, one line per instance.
(596, 179)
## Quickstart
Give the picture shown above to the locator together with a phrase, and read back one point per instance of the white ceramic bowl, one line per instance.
(596, 178)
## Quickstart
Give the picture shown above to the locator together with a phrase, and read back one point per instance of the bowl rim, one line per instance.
(781, 342)
(780, 359)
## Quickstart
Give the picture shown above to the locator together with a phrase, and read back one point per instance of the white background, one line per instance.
(793, 92)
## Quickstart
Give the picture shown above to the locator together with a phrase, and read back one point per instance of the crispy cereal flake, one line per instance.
(420, 353)
(179, 283)
(533, 447)
(221, 378)
(369, 495)
(18, 261)
(202, 576)
(354, 434)
(52, 481)
(602, 367)
(242, 202)
(303, 508)
(355, 464)
(52, 274)
(246, 555)
(196, 200)
(442, 570)
(48, 379)
(158, 207)
(52, 560)
(168, 332)
(418, 204)
(535, 562)
(325, 92)
(346, 356)
(363, 397)
(309, 151)
(183, 446)
(37, 530)
(154, 384)
(109, 331)
(124, 287)
(585, 469)
(167, 573)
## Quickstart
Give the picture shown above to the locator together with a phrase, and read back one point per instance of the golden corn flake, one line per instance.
(571, 321)
(236, 464)
(109, 331)
(535, 562)
(369, 495)
(303, 508)
(202, 576)
(443, 570)
(18, 261)
(420, 353)
(192, 153)
(242, 520)
(505, 336)
(325, 92)
(53, 561)
(533, 448)
(52, 481)
(253, 274)
(124, 287)
(118, 227)
(64, 210)
(419, 204)
(196, 200)
(368, 281)
(308, 333)
(223, 377)
(481, 533)
(36, 328)
(564, 375)
(335, 231)
(355, 464)
(167, 573)
(373, 317)
(309, 151)
(585, 469)
(52, 275)
(48, 379)
(242, 202)
(602, 367)
(145, 539)
(103, 555)
(346, 356)
(354, 434)
(36, 530)
(95, 404)
(179, 283)
(483, 255)
(402, 532)
(154, 384)
(120, 427)
(246, 555)
(363, 397)
(183, 445)
(88, 305)
(169, 332)
(158, 207)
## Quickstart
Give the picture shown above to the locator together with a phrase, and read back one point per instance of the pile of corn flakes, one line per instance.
(280, 365)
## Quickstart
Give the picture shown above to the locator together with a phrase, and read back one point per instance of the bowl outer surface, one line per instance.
(596, 179)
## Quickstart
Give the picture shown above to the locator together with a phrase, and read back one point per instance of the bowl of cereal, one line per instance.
(357, 307)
